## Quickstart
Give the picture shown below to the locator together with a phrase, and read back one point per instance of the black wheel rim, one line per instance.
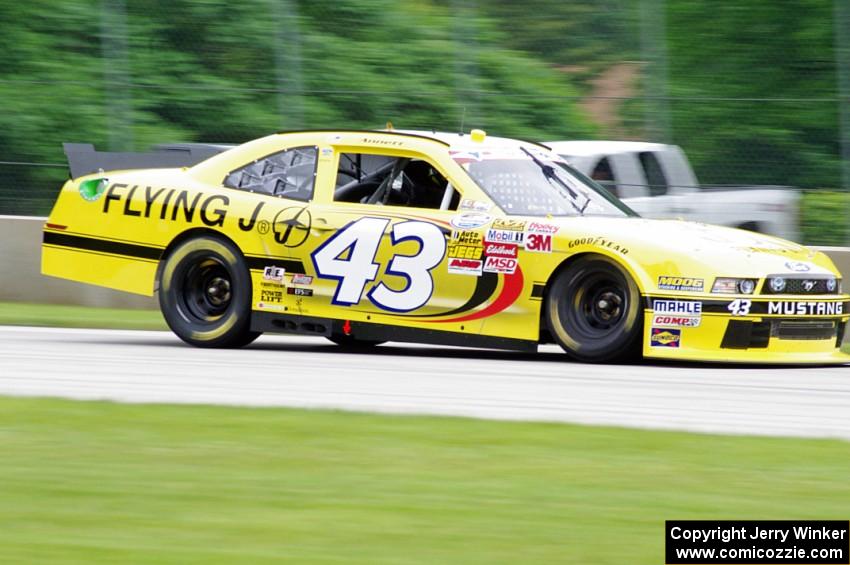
(206, 290)
(598, 306)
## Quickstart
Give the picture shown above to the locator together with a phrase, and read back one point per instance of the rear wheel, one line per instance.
(593, 311)
(205, 294)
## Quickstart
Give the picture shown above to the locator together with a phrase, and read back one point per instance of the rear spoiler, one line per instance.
(83, 159)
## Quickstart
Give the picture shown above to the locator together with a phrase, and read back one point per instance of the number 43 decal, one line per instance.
(349, 258)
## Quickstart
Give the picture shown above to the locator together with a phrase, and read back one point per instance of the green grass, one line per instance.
(20, 314)
(92, 482)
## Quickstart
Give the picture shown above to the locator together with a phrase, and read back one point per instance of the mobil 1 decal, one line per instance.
(349, 258)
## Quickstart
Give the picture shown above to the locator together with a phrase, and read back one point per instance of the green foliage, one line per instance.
(744, 53)
(825, 218)
(202, 70)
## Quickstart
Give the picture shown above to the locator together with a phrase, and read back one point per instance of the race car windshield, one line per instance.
(535, 183)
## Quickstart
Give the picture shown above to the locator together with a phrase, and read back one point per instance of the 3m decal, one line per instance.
(273, 273)
(538, 242)
(806, 308)
(500, 265)
(599, 242)
(664, 337)
(358, 242)
(501, 249)
(470, 220)
(465, 266)
(681, 283)
(302, 279)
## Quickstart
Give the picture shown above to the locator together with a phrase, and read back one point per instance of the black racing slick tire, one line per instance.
(593, 310)
(205, 294)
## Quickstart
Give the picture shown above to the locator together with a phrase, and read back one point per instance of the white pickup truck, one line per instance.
(657, 181)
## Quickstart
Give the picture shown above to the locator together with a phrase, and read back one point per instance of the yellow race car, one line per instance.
(460, 239)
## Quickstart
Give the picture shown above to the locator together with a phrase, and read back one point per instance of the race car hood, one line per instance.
(720, 250)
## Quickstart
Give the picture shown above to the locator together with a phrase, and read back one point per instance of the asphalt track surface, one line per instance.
(136, 366)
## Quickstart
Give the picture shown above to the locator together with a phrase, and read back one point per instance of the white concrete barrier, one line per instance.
(21, 279)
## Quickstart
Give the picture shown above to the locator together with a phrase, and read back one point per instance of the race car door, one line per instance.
(390, 248)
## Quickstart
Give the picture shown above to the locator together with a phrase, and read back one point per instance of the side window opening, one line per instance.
(604, 175)
(393, 181)
(656, 181)
(287, 174)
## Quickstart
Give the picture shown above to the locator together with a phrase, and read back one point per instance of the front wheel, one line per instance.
(593, 311)
(205, 294)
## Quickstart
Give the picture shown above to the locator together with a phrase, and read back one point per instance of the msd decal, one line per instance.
(500, 265)
(465, 266)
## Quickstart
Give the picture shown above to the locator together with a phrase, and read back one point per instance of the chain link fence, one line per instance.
(755, 94)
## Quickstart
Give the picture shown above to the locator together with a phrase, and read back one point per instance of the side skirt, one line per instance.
(305, 325)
